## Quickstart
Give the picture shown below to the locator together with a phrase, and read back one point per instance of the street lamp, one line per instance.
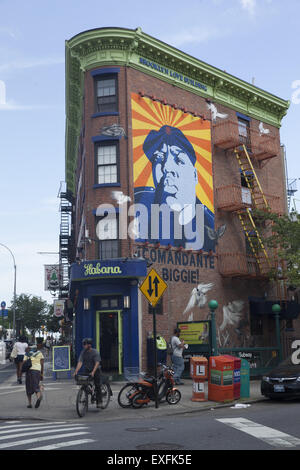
(276, 310)
(213, 305)
(15, 287)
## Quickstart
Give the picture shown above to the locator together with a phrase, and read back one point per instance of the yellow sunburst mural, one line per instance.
(149, 115)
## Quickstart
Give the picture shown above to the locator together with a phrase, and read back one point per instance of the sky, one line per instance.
(247, 38)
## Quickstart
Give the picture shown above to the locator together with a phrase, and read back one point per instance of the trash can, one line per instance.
(161, 350)
(198, 372)
(220, 384)
(236, 376)
(245, 379)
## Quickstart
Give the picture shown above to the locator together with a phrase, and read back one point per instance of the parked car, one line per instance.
(283, 381)
(9, 347)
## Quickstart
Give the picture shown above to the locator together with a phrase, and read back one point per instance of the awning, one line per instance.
(260, 306)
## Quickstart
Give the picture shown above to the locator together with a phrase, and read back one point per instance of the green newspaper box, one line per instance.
(245, 379)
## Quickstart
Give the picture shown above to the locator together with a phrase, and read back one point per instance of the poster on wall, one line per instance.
(51, 276)
(58, 305)
(194, 332)
(173, 184)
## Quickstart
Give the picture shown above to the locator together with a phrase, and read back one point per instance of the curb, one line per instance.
(188, 411)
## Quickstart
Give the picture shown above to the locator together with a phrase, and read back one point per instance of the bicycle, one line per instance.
(87, 388)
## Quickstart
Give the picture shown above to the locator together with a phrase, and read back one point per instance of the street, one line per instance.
(6, 371)
(263, 426)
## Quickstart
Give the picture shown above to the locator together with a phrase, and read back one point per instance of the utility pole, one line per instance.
(15, 289)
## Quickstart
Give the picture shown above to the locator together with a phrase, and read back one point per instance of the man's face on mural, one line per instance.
(176, 176)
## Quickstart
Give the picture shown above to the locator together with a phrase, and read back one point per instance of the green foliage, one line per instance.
(284, 236)
(31, 311)
(51, 322)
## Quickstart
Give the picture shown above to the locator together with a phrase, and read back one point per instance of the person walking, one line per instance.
(90, 360)
(35, 373)
(48, 346)
(20, 348)
(177, 359)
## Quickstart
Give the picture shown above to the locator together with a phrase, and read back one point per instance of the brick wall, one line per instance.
(225, 171)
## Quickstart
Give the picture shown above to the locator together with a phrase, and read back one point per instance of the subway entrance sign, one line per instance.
(153, 287)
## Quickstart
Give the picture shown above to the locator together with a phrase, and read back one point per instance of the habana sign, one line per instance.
(91, 270)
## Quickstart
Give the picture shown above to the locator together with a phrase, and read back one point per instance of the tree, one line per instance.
(31, 312)
(52, 322)
(285, 239)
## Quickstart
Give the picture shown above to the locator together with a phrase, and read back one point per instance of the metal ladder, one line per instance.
(260, 202)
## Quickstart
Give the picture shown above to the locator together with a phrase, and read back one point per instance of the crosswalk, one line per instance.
(271, 436)
(28, 436)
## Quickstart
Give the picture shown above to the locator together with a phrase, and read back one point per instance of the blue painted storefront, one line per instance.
(96, 279)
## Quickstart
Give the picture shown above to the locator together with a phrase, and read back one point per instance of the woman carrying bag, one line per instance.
(18, 355)
(33, 366)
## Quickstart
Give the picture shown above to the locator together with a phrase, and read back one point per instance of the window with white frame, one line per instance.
(107, 233)
(107, 163)
(106, 94)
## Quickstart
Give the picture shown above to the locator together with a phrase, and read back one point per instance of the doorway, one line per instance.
(109, 340)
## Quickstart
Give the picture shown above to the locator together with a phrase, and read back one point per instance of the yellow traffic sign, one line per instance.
(153, 287)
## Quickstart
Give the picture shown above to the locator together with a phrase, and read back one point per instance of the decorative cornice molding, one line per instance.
(124, 47)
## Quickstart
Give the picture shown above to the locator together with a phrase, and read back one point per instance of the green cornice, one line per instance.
(124, 47)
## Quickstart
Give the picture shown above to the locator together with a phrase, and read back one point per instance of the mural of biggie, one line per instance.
(172, 170)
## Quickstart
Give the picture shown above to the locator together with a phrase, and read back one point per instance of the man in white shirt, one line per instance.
(177, 359)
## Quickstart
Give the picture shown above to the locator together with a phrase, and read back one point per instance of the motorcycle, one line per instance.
(142, 392)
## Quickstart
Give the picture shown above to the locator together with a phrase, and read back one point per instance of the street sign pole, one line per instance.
(153, 288)
(155, 358)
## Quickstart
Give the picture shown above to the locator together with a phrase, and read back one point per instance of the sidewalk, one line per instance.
(59, 402)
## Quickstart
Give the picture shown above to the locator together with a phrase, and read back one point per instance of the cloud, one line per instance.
(193, 35)
(249, 6)
(31, 63)
(8, 32)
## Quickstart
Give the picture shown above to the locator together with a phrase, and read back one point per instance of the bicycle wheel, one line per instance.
(105, 394)
(82, 402)
(173, 397)
(126, 394)
(140, 397)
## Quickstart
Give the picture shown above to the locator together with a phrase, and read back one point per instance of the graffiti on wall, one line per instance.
(173, 187)
(234, 329)
(198, 297)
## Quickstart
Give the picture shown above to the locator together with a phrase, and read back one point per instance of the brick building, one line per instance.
(148, 122)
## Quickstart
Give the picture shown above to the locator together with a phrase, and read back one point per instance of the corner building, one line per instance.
(150, 125)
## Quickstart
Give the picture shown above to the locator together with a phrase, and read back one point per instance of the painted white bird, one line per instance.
(113, 130)
(262, 130)
(191, 317)
(120, 197)
(215, 234)
(198, 297)
(232, 313)
(215, 113)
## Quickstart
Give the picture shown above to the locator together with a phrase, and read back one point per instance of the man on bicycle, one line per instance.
(90, 360)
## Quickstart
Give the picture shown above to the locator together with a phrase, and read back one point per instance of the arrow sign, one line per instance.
(150, 290)
(153, 287)
(156, 283)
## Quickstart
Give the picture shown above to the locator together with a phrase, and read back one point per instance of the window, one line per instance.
(107, 232)
(106, 94)
(106, 161)
(244, 131)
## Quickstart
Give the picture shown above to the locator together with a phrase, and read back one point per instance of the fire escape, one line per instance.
(66, 240)
(247, 148)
